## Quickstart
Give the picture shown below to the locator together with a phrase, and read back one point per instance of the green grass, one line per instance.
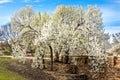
(6, 74)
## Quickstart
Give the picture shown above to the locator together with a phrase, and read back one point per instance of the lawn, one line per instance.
(6, 74)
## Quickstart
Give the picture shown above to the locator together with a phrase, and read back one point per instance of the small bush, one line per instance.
(5, 52)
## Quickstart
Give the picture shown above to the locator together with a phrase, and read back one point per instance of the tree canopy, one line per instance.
(70, 31)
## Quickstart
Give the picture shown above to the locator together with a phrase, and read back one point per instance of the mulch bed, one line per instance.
(38, 74)
(28, 72)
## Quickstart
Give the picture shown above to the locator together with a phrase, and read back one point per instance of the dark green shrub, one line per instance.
(5, 52)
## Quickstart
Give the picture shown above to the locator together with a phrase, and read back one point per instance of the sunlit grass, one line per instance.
(6, 74)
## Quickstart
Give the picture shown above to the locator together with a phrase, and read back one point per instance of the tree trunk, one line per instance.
(66, 56)
(51, 53)
(66, 59)
(115, 60)
(43, 61)
(56, 57)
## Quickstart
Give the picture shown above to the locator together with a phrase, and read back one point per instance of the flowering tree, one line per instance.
(21, 25)
(46, 39)
(69, 20)
(70, 30)
(28, 27)
(96, 41)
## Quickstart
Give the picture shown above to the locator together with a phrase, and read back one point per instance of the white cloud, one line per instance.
(5, 1)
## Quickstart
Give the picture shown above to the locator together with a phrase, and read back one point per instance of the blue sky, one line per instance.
(109, 8)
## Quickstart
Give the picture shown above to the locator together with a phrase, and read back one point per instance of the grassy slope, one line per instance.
(6, 74)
